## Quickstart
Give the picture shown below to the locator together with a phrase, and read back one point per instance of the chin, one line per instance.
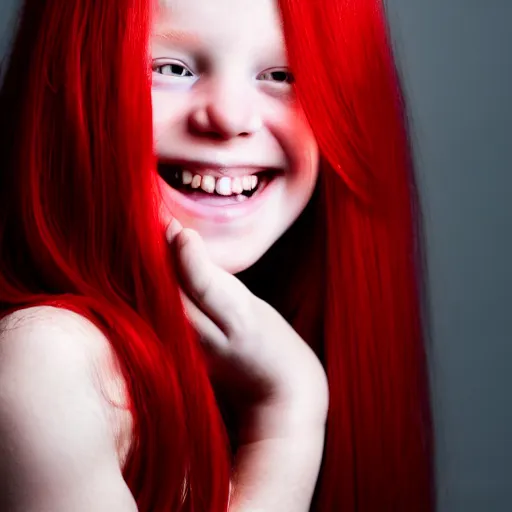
(234, 260)
(235, 265)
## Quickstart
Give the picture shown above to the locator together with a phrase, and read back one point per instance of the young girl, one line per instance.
(280, 142)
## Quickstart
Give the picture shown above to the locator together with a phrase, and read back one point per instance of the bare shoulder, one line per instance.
(60, 340)
(51, 325)
(44, 341)
(56, 439)
(45, 349)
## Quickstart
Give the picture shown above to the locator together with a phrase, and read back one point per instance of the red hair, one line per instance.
(378, 452)
(80, 230)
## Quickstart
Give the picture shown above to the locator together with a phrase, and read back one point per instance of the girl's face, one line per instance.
(237, 159)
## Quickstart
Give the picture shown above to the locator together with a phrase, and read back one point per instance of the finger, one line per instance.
(173, 228)
(164, 214)
(214, 341)
(171, 224)
(217, 293)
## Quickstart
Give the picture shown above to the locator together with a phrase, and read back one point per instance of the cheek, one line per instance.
(169, 110)
(310, 154)
(302, 180)
(302, 131)
(305, 148)
(290, 127)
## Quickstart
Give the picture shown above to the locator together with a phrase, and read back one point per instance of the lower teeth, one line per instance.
(244, 194)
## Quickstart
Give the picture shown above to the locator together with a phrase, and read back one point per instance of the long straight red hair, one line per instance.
(79, 229)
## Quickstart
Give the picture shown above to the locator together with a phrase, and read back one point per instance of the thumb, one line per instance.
(217, 293)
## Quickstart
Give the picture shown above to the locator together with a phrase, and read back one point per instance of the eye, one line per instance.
(280, 76)
(173, 69)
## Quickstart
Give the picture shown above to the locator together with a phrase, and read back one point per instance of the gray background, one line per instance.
(457, 71)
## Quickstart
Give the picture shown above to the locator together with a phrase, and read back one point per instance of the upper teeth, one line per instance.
(224, 186)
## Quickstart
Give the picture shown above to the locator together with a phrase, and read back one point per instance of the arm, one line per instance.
(57, 450)
(277, 474)
(277, 465)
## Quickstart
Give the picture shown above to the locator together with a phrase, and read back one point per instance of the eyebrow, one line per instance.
(177, 36)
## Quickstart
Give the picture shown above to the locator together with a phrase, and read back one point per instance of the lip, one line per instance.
(220, 214)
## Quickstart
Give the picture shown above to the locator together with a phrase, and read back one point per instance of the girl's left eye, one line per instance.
(281, 76)
(176, 70)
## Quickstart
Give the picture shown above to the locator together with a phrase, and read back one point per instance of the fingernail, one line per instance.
(183, 238)
(172, 230)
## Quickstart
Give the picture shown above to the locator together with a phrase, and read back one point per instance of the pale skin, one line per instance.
(62, 443)
(223, 101)
(61, 439)
(252, 346)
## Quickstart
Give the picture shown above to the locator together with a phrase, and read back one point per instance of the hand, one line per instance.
(254, 355)
(261, 364)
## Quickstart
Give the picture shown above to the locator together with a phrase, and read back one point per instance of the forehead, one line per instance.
(222, 22)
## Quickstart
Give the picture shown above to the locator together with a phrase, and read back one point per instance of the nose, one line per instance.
(226, 111)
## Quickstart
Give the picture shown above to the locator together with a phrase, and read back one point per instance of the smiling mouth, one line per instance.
(209, 186)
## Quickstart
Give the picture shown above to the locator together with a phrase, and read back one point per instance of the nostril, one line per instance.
(213, 135)
(218, 135)
(209, 134)
(217, 124)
